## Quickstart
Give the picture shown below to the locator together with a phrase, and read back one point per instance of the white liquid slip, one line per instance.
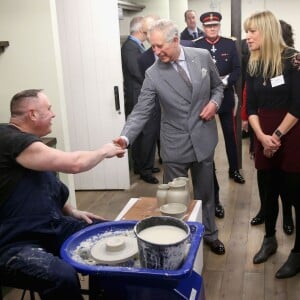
(163, 234)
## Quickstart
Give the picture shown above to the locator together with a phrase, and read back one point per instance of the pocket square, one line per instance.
(204, 72)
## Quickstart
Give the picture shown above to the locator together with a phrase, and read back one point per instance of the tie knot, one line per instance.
(195, 35)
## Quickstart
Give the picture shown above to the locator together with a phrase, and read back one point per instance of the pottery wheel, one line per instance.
(114, 249)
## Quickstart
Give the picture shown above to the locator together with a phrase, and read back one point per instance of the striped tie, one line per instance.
(183, 74)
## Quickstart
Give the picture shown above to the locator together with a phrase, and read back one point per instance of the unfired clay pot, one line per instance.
(161, 194)
(177, 192)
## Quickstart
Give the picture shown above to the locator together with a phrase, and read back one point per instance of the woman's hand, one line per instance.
(270, 143)
(269, 153)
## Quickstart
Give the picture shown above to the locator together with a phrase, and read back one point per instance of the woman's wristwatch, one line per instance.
(278, 133)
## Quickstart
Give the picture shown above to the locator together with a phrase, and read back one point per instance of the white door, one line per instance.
(89, 41)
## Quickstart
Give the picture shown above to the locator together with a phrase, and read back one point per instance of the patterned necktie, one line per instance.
(183, 75)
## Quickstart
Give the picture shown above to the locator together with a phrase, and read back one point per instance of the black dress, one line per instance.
(271, 103)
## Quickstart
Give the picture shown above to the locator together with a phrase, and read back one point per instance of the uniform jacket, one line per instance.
(132, 76)
(226, 58)
(184, 136)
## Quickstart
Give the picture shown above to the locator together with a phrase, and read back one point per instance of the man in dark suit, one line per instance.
(224, 53)
(131, 49)
(191, 32)
(152, 127)
(143, 149)
(187, 84)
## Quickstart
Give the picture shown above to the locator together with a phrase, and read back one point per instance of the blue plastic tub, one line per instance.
(131, 274)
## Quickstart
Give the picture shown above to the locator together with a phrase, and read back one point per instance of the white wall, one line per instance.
(177, 9)
(30, 61)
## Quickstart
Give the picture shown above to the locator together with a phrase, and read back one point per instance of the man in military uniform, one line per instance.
(224, 53)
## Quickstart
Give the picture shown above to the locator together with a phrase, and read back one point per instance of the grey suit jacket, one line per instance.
(184, 136)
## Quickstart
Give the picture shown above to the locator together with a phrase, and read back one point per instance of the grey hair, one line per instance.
(19, 100)
(136, 24)
(167, 27)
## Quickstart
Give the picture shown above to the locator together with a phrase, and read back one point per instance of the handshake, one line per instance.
(121, 142)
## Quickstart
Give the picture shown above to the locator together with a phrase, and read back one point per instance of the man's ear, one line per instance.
(176, 39)
(32, 114)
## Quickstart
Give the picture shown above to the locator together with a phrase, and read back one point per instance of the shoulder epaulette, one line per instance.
(198, 39)
(233, 38)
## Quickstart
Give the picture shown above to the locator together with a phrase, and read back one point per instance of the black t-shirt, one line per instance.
(12, 143)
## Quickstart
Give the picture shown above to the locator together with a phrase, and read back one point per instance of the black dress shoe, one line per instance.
(288, 224)
(135, 171)
(216, 246)
(245, 134)
(291, 267)
(257, 220)
(219, 211)
(236, 176)
(267, 249)
(149, 179)
(155, 170)
(288, 229)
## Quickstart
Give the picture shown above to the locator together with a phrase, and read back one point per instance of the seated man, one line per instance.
(35, 217)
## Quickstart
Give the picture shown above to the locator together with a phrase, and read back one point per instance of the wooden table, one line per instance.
(140, 208)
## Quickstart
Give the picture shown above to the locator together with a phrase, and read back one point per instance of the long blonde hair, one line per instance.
(267, 60)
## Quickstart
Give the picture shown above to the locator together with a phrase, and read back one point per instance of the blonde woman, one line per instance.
(273, 107)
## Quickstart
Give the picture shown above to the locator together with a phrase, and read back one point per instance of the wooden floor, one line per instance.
(230, 276)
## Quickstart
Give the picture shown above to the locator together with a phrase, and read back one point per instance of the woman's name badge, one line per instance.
(276, 81)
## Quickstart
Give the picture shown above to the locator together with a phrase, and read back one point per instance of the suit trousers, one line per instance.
(144, 146)
(203, 188)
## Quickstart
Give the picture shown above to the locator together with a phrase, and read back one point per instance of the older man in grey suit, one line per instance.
(188, 106)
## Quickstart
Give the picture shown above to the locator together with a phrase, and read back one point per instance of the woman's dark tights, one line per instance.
(292, 188)
(273, 183)
(286, 204)
(269, 184)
